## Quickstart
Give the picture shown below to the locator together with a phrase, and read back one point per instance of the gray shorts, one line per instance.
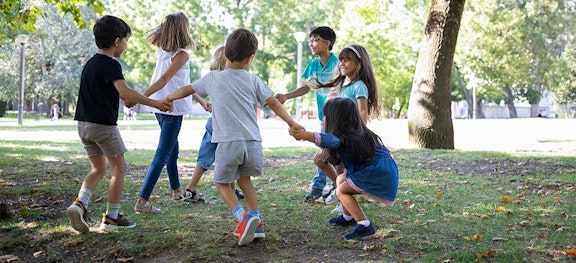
(238, 158)
(100, 139)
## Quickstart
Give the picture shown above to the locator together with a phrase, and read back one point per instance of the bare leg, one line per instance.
(327, 168)
(97, 172)
(118, 167)
(245, 184)
(346, 195)
(198, 172)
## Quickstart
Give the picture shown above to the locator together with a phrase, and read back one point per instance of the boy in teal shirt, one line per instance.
(320, 69)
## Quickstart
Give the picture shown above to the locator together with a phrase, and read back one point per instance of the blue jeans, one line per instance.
(166, 154)
(207, 151)
(319, 179)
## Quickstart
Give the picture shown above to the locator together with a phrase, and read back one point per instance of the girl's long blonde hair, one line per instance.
(218, 60)
(172, 34)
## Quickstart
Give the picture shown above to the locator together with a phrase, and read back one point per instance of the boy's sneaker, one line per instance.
(331, 198)
(259, 233)
(313, 195)
(78, 216)
(339, 220)
(338, 210)
(360, 231)
(115, 224)
(246, 229)
(239, 194)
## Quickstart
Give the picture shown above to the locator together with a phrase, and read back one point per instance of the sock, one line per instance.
(254, 213)
(347, 217)
(238, 212)
(365, 222)
(84, 196)
(112, 210)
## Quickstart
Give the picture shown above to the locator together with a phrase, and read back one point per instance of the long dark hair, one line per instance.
(343, 120)
(365, 72)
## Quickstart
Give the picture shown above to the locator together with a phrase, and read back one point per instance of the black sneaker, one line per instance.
(78, 217)
(339, 220)
(239, 194)
(360, 231)
(313, 195)
(115, 224)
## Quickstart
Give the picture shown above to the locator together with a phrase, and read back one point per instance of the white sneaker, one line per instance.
(331, 198)
(338, 210)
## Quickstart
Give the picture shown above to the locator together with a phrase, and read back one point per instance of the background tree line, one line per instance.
(507, 50)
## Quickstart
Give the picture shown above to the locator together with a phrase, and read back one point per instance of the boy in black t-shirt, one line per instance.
(102, 85)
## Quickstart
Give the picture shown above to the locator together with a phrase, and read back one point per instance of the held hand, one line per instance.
(164, 105)
(129, 104)
(298, 134)
(296, 127)
(281, 98)
(311, 83)
(207, 106)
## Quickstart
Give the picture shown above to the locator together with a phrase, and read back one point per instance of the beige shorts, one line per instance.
(100, 139)
(238, 158)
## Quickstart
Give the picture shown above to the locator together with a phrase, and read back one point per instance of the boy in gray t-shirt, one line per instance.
(235, 93)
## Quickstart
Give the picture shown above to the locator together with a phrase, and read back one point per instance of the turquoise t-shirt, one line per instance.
(355, 90)
(325, 73)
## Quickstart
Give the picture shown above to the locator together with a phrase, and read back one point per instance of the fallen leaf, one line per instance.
(499, 239)
(370, 247)
(406, 202)
(525, 223)
(506, 199)
(273, 205)
(557, 200)
(438, 196)
(38, 253)
(500, 209)
(98, 200)
(569, 252)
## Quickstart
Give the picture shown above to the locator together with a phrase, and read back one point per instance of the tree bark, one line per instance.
(509, 101)
(429, 115)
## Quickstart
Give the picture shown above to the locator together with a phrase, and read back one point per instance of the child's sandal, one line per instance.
(146, 208)
(194, 197)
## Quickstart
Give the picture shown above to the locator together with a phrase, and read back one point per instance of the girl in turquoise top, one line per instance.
(370, 168)
(356, 81)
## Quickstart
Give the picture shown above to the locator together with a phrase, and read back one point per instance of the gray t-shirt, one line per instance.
(234, 95)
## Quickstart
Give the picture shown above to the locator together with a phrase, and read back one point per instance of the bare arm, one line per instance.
(303, 135)
(180, 93)
(132, 96)
(293, 94)
(276, 106)
(205, 104)
(363, 109)
(177, 62)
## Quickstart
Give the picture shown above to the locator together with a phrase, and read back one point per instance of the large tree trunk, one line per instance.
(509, 101)
(429, 118)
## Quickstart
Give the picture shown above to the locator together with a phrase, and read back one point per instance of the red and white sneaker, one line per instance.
(245, 229)
(259, 233)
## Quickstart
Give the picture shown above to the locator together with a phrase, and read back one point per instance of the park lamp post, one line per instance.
(22, 40)
(299, 37)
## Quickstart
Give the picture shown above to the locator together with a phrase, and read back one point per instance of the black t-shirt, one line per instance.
(98, 99)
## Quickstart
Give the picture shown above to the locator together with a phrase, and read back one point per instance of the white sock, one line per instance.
(347, 217)
(365, 222)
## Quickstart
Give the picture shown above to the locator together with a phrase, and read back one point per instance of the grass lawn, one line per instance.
(452, 206)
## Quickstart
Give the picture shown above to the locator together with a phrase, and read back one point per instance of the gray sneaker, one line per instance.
(331, 198)
(78, 217)
(115, 224)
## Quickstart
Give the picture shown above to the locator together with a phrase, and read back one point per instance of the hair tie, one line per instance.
(355, 51)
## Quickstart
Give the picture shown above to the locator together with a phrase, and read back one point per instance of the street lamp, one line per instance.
(299, 36)
(22, 40)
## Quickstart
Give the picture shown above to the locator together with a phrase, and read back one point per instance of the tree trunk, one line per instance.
(480, 110)
(509, 101)
(429, 118)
